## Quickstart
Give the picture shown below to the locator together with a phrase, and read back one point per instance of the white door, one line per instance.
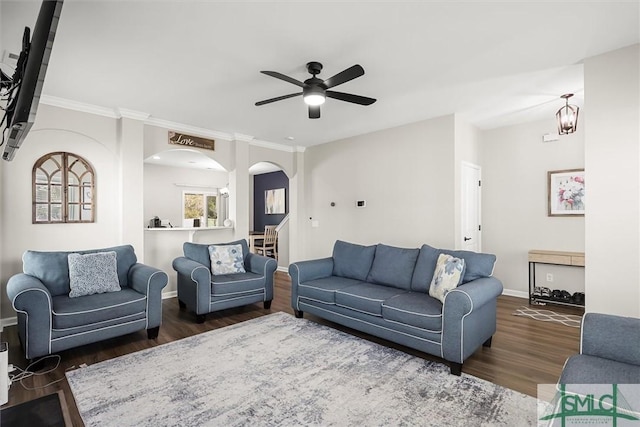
(470, 215)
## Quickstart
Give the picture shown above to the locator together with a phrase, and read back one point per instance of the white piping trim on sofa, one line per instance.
(411, 312)
(411, 326)
(27, 316)
(372, 324)
(231, 299)
(95, 330)
(239, 292)
(360, 296)
(97, 309)
(196, 283)
(98, 323)
(461, 322)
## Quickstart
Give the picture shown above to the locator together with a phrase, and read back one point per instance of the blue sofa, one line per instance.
(609, 352)
(50, 320)
(203, 292)
(384, 291)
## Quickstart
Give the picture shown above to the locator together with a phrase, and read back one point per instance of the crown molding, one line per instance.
(180, 127)
(79, 106)
(132, 114)
(118, 113)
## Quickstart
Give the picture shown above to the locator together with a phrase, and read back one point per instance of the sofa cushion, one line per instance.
(199, 252)
(477, 264)
(52, 268)
(365, 297)
(226, 259)
(415, 309)
(324, 289)
(236, 283)
(90, 274)
(393, 266)
(351, 260)
(425, 266)
(447, 276)
(70, 312)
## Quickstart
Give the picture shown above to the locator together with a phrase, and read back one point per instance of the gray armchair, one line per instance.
(609, 352)
(203, 292)
(50, 320)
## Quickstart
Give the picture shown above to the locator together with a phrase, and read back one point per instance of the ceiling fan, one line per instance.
(316, 90)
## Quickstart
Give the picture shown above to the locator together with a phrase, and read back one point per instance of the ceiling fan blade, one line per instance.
(279, 98)
(314, 111)
(281, 76)
(356, 99)
(344, 76)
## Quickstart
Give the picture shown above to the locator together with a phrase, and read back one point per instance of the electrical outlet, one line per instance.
(549, 277)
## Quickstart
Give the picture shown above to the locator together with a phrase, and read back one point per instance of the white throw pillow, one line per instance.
(226, 259)
(94, 273)
(447, 276)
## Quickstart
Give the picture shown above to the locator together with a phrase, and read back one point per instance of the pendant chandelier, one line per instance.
(567, 116)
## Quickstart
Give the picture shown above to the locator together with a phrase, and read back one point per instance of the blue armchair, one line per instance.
(609, 352)
(50, 320)
(203, 292)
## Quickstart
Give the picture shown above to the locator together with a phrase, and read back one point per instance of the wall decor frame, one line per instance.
(274, 201)
(566, 192)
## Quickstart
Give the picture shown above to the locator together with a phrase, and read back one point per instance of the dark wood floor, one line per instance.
(524, 353)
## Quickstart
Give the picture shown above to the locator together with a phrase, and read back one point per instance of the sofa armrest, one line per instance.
(149, 281)
(259, 264)
(31, 298)
(264, 266)
(469, 317)
(303, 271)
(194, 284)
(611, 337)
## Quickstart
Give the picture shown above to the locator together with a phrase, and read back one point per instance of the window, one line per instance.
(63, 189)
(201, 206)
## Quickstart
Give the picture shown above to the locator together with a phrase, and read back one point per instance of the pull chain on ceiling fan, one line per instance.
(315, 90)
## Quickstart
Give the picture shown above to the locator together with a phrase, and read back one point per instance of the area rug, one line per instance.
(277, 370)
(549, 316)
(45, 411)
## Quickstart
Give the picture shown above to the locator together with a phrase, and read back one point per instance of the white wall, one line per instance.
(406, 176)
(92, 137)
(612, 92)
(126, 199)
(163, 198)
(515, 163)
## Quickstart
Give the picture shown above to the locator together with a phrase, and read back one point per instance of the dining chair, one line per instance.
(269, 245)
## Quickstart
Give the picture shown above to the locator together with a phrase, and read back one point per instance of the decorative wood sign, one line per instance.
(191, 141)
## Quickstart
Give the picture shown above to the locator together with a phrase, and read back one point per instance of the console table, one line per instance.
(571, 259)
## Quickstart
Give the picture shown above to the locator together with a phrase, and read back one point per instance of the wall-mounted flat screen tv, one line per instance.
(25, 87)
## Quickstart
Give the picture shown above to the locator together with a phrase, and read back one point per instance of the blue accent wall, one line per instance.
(261, 183)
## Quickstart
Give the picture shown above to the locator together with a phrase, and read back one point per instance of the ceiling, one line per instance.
(198, 62)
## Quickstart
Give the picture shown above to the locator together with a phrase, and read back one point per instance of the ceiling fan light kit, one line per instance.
(315, 90)
(567, 116)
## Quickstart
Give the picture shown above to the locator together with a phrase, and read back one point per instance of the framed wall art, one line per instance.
(274, 201)
(566, 189)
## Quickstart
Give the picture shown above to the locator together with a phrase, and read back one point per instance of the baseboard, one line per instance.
(518, 294)
(170, 294)
(9, 321)
(283, 269)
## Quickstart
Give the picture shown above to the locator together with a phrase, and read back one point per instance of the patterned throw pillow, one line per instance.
(448, 274)
(94, 273)
(226, 259)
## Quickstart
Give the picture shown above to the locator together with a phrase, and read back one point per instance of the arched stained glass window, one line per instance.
(63, 189)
